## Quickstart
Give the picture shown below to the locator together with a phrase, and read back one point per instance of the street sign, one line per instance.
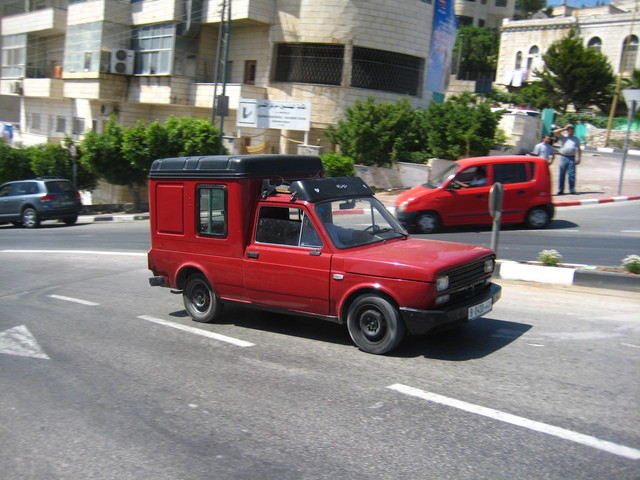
(280, 114)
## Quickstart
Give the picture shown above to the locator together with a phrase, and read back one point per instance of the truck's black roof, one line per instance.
(237, 166)
(329, 188)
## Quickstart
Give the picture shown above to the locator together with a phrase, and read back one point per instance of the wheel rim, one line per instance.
(29, 218)
(372, 324)
(426, 222)
(200, 298)
(538, 218)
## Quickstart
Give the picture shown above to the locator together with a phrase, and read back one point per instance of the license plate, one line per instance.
(478, 310)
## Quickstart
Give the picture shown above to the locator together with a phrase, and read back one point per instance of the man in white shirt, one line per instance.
(569, 157)
(545, 150)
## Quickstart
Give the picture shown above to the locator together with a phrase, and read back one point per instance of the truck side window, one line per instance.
(286, 226)
(212, 211)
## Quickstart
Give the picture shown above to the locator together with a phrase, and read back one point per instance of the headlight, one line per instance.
(442, 283)
(403, 206)
(489, 265)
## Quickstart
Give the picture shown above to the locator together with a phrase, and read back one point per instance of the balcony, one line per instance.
(48, 21)
(43, 87)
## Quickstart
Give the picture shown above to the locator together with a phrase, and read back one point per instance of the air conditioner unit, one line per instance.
(122, 61)
(15, 87)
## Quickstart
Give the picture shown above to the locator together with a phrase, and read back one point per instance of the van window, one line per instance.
(506, 173)
(286, 226)
(212, 209)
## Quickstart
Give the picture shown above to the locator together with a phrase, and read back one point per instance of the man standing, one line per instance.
(569, 157)
(545, 150)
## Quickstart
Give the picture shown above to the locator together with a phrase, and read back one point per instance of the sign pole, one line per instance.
(496, 195)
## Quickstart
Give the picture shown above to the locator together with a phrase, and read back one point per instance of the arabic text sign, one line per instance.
(280, 114)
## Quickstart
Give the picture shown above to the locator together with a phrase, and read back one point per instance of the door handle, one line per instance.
(315, 253)
(253, 254)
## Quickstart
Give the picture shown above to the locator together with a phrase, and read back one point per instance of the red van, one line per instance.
(459, 195)
(272, 232)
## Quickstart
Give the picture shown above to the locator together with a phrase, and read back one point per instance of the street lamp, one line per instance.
(632, 99)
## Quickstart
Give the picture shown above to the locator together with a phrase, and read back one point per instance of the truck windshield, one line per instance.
(359, 221)
(439, 179)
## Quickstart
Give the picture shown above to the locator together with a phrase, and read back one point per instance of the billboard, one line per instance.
(280, 114)
(443, 38)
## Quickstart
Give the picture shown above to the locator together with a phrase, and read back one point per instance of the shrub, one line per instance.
(550, 258)
(631, 263)
(337, 165)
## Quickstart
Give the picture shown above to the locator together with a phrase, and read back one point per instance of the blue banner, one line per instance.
(443, 38)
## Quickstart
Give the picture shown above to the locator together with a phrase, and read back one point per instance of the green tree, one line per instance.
(54, 160)
(460, 127)
(378, 134)
(477, 49)
(14, 164)
(531, 6)
(576, 75)
(101, 153)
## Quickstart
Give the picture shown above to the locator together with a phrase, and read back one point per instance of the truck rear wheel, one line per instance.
(200, 300)
(374, 324)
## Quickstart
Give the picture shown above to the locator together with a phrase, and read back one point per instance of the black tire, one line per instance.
(374, 324)
(200, 300)
(30, 218)
(427, 222)
(537, 217)
(70, 220)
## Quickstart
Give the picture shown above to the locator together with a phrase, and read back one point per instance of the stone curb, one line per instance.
(579, 275)
(593, 201)
(113, 218)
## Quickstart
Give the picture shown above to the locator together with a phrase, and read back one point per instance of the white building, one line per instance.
(73, 63)
(606, 28)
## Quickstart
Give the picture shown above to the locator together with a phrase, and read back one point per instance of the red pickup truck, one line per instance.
(271, 231)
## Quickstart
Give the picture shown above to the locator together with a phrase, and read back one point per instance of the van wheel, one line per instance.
(427, 222)
(374, 324)
(30, 218)
(70, 220)
(200, 300)
(537, 217)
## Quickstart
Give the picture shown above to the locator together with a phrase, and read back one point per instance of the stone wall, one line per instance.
(596, 137)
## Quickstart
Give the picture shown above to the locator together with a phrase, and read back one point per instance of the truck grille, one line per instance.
(466, 281)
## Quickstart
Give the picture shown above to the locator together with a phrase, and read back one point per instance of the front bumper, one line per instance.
(406, 219)
(419, 322)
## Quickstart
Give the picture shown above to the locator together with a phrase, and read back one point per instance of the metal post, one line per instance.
(632, 112)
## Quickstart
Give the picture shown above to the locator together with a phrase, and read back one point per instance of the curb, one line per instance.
(593, 201)
(579, 275)
(113, 218)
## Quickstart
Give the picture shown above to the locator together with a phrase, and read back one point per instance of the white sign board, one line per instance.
(281, 114)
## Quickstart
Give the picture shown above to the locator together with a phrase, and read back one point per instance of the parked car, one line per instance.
(29, 202)
(459, 195)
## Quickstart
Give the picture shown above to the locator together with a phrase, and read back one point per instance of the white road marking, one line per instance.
(588, 440)
(630, 345)
(74, 300)
(82, 252)
(19, 341)
(197, 331)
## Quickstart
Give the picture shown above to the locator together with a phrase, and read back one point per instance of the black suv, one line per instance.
(28, 202)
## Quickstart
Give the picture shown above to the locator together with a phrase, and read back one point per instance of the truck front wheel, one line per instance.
(200, 300)
(374, 324)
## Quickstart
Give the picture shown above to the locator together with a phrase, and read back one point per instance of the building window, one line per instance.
(250, 72)
(14, 54)
(629, 53)
(595, 44)
(309, 63)
(464, 20)
(518, 60)
(77, 126)
(533, 54)
(155, 44)
(501, 3)
(34, 123)
(386, 71)
(61, 124)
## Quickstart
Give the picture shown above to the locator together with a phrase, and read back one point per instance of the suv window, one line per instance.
(512, 173)
(59, 186)
(24, 188)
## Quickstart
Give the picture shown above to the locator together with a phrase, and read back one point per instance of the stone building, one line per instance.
(606, 28)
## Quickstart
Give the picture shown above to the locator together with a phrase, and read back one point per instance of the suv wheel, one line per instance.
(30, 218)
(70, 220)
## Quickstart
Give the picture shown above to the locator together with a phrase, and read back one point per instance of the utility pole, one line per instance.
(221, 103)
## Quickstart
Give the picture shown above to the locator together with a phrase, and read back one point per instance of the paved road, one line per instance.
(103, 377)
